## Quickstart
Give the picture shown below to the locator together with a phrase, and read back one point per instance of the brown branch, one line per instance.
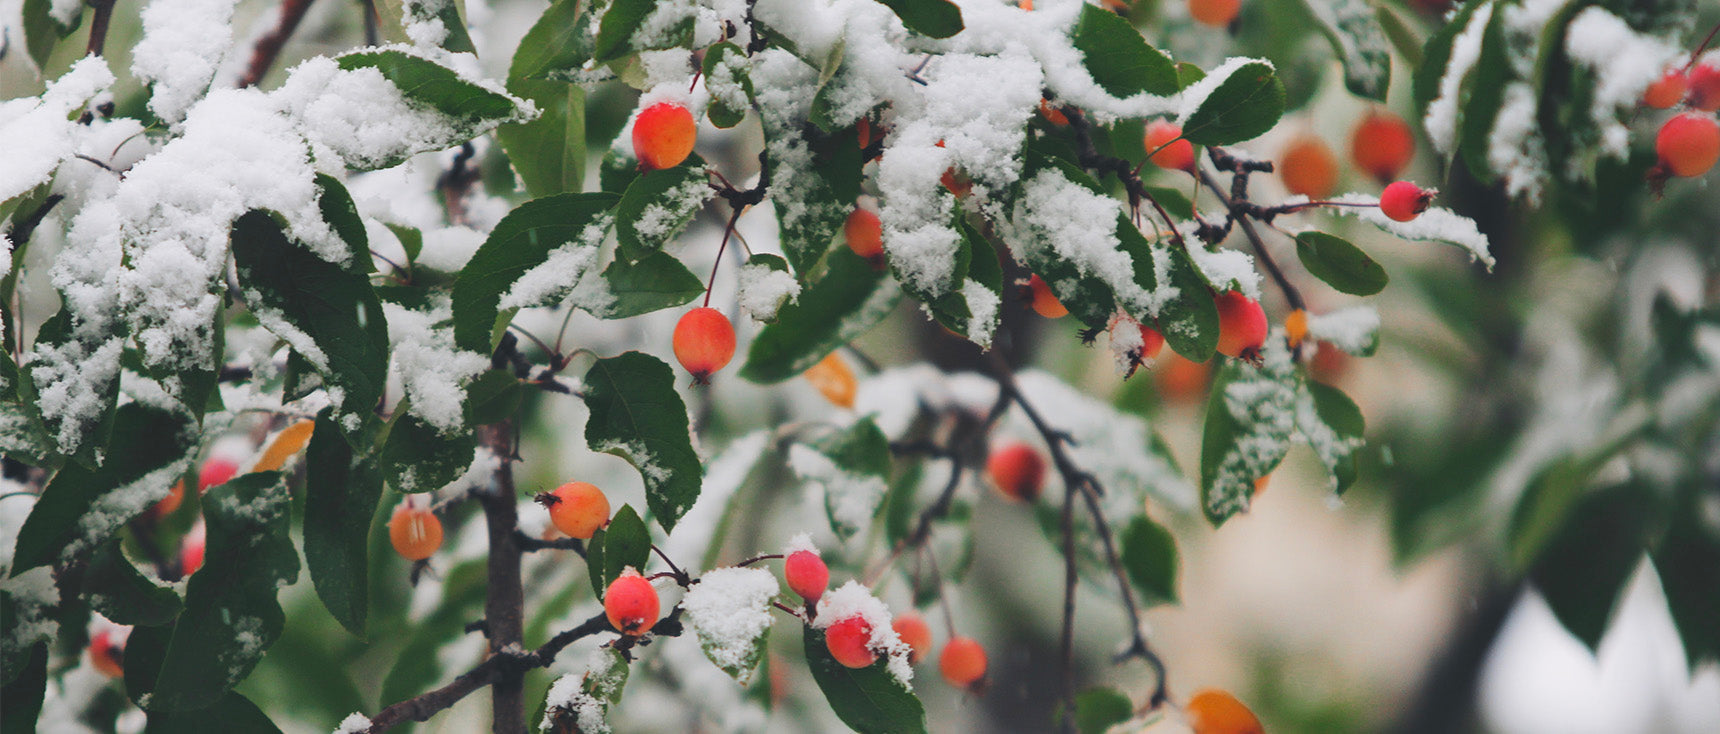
(1241, 211)
(1066, 694)
(269, 47)
(504, 596)
(99, 25)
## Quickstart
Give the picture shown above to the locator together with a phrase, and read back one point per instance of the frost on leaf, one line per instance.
(583, 699)
(1437, 224)
(730, 610)
(852, 466)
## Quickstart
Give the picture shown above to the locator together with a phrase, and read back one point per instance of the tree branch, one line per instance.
(1240, 211)
(99, 25)
(269, 47)
(504, 597)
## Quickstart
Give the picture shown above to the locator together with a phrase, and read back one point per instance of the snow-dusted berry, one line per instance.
(850, 642)
(915, 633)
(806, 574)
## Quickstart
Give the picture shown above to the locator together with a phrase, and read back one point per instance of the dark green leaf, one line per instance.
(231, 616)
(637, 415)
(342, 489)
(1242, 443)
(523, 240)
(342, 216)
(434, 85)
(1175, 201)
(1342, 265)
(615, 172)
(812, 211)
(624, 544)
(1118, 58)
(23, 692)
(1543, 507)
(1245, 104)
(621, 21)
(122, 593)
(935, 18)
(1098, 709)
(1353, 29)
(1585, 565)
(1405, 41)
(42, 32)
(1150, 557)
(418, 457)
(728, 61)
(846, 302)
(664, 201)
(869, 700)
(549, 152)
(493, 397)
(233, 714)
(79, 503)
(1688, 561)
(657, 281)
(1437, 53)
(562, 40)
(1189, 322)
(1339, 413)
(1484, 95)
(333, 306)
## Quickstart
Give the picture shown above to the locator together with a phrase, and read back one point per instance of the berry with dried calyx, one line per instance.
(631, 603)
(1045, 302)
(1177, 153)
(806, 574)
(1211, 711)
(1688, 144)
(415, 532)
(1017, 470)
(577, 509)
(1241, 324)
(663, 136)
(704, 341)
(1404, 201)
(1382, 145)
(915, 633)
(850, 642)
(1307, 167)
(962, 663)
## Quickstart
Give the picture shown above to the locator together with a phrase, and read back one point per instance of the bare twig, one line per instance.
(99, 25)
(1241, 214)
(504, 596)
(269, 47)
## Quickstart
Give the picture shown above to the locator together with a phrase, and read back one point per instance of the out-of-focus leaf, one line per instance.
(1149, 555)
(342, 489)
(1340, 264)
(935, 18)
(1353, 28)
(232, 714)
(122, 593)
(625, 543)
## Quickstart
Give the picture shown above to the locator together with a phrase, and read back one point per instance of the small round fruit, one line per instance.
(806, 574)
(1404, 201)
(663, 136)
(704, 342)
(1382, 145)
(962, 662)
(1181, 380)
(191, 549)
(1260, 484)
(1689, 144)
(864, 233)
(578, 509)
(1018, 471)
(1178, 153)
(1307, 167)
(166, 505)
(1666, 91)
(1241, 324)
(215, 471)
(415, 532)
(107, 653)
(1152, 342)
(1052, 114)
(1704, 79)
(914, 631)
(850, 642)
(1296, 327)
(631, 603)
(1211, 711)
(1216, 13)
(834, 380)
(1045, 302)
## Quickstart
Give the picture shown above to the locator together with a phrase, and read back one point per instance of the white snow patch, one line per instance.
(730, 610)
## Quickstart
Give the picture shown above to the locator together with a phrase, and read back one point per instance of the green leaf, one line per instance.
(307, 297)
(637, 415)
(1338, 413)
(232, 714)
(436, 86)
(1688, 561)
(656, 281)
(1437, 53)
(1353, 28)
(869, 700)
(23, 692)
(1149, 556)
(523, 240)
(1189, 322)
(725, 73)
(624, 544)
(1405, 41)
(42, 32)
(1098, 709)
(549, 152)
(812, 210)
(1244, 105)
(935, 18)
(493, 397)
(1242, 443)
(617, 32)
(658, 205)
(1591, 556)
(1483, 97)
(1118, 58)
(149, 448)
(562, 40)
(1340, 264)
(418, 457)
(846, 302)
(615, 172)
(342, 489)
(341, 214)
(119, 591)
(231, 616)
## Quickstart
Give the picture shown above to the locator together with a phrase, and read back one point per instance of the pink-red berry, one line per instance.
(1404, 201)
(864, 234)
(806, 574)
(1688, 144)
(1382, 145)
(1017, 470)
(850, 642)
(1177, 153)
(1666, 91)
(1704, 80)
(631, 603)
(1241, 324)
(915, 633)
(663, 135)
(704, 341)
(962, 662)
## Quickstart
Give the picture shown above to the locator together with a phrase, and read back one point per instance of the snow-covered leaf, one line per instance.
(549, 152)
(658, 205)
(1118, 58)
(631, 26)
(847, 301)
(492, 397)
(436, 86)
(555, 237)
(626, 289)
(974, 309)
(731, 87)
(342, 488)
(1354, 30)
(869, 700)
(853, 467)
(730, 610)
(43, 31)
(417, 457)
(637, 415)
(1238, 101)
(115, 587)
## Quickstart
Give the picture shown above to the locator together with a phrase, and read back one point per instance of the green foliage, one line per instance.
(1149, 554)
(1119, 58)
(637, 415)
(122, 593)
(1340, 264)
(1243, 106)
(869, 700)
(342, 487)
(935, 18)
(523, 240)
(624, 544)
(847, 301)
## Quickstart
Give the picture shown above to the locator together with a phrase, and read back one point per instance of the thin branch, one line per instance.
(269, 47)
(1240, 213)
(1066, 660)
(99, 25)
(529, 544)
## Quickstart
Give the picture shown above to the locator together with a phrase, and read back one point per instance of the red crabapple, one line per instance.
(1307, 167)
(806, 574)
(631, 603)
(962, 662)
(1689, 144)
(217, 470)
(1178, 153)
(704, 341)
(1216, 13)
(1152, 342)
(1666, 91)
(1382, 145)
(850, 642)
(107, 653)
(1018, 471)
(914, 631)
(1404, 201)
(663, 136)
(1045, 302)
(1241, 324)
(1704, 82)
(864, 234)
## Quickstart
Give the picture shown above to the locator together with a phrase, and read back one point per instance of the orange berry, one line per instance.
(850, 642)
(832, 378)
(107, 653)
(1689, 144)
(1404, 201)
(914, 631)
(864, 234)
(415, 532)
(1216, 13)
(1382, 145)
(806, 574)
(1211, 711)
(1666, 91)
(1260, 484)
(215, 471)
(704, 342)
(1307, 167)
(1152, 342)
(1329, 363)
(962, 662)
(863, 132)
(1045, 302)
(1052, 114)
(578, 509)
(166, 505)
(1027, 5)
(1704, 87)
(631, 603)
(1178, 154)
(663, 136)
(1181, 379)
(1241, 324)
(1296, 326)
(1017, 470)
(288, 442)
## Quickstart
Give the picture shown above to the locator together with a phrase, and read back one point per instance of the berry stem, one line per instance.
(756, 559)
(1240, 215)
(1694, 55)
(728, 230)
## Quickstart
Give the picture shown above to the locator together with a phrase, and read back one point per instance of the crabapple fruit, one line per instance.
(663, 136)
(864, 234)
(1216, 13)
(806, 574)
(704, 341)
(1177, 153)
(962, 662)
(166, 505)
(914, 631)
(1017, 470)
(1045, 302)
(191, 549)
(415, 532)
(1241, 324)
(850, 642)
(631, 603)
(1404, 201)
(1666, 91)
(1152, 342)
(1382, 145)
(107, 653)
(578, 509)
(1211, 711)
(216, 470)
(1307, 167)
(1704, 80)
(1689, 144)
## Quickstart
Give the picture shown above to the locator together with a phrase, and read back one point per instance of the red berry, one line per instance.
(578, 509)
(107, 653)
(1052, 114)
(1404, 201)
(1705, 86)
(1045, 302)
(914, 631)
(704, 342)
(850, 642)
(1212, 711)
(1178, 154)
(1151, 342)
(631, 603)
(1018, 471)
(806, 573)
(864, 233)
(191, 550)
(1216, 13)
(1241, 324)
(1382, 145)
(415, 532)
(215, 471)
(663, 135)
(166, 505)
(1307, 167)
(962, 662)
(1666, 91)
(1689, 144)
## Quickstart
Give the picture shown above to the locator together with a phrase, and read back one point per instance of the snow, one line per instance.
(431, 369)
(36, 134)
(560, 272)
(35, 601)
(1624, 63)
(1354, 330)
(353, 724)
(1441, 118)
(851, 499)
(730, 610)
(1126, 343)
(65, 11)
(853, 599)
(983, 305)
(1514, 149)
(182, 47)
(800, 542)
(586, 695)
(765, 290)
(665, 216)
(1077, 224)
(1224, 268)
(419, 19)
(1437, 224)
